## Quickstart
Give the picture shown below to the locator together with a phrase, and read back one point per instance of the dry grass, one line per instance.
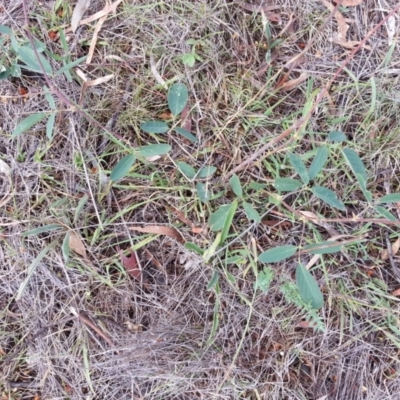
(173, 338)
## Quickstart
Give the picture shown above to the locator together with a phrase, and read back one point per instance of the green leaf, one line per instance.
(29, 57)
(69, 66)
(189, 59)
(5, 74)
(152, 150)
(363, 185)
(50, 125)
(193, 247)
(186, 134)
(385, 213)
(177, 98)
(206, 171)
(318, 162)
(186, 169)
(203, 192)
(337, 136)
(5, 30)
(264, 279)
(27, 123)
(355, 162)
(277, 254)
(213, 281)
(308, 288)
(42, 229)
(326, 247)
(49, 98)
(251, 213)
(299, 167)
(390, 198)
(228, 221)
(154, 127)
(122, 168)
(219, 218)
(65, 248)
(329, 197)
(236, 186)
(287, 184)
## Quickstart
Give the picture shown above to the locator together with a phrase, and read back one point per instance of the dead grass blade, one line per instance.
(94, 38)
(256, 8)
(76, 244)
(160, 230)
(349, 3)
(79, 10)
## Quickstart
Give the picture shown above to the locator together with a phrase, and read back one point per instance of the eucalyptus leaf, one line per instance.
(177, 98)
(299, 167)
(329, 197)
(122, 168)
(236, 186)
(277, 254)
(318, 162)
(308, 287)
(154, 127)
(27, 123)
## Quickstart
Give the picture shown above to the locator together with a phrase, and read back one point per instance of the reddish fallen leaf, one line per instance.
(349, 3)
(186, 119)
(76, 244)
(396, 292)
(53, 36)
(131, 264)
(306, 325)
(166, 116)
(160, 230)
(289, 85)
(23, 91)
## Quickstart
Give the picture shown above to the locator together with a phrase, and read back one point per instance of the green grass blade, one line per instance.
(27, 123)
(277, 254)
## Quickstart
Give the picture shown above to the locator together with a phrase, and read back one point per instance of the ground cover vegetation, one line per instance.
(200, 199)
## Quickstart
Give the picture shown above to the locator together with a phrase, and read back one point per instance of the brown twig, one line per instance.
(301, 123)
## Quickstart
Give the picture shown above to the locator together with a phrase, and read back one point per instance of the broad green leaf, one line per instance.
(5, 74)
(277, 253)
(219, 218)
(228, 221)
(326, 247)
(177, 98)
(299, 167)
(213, 281)
(355, 162)
(29, 57)
(186, 169)
(154, 127)
(251, 213)
(385, 213)
(186, 134)
(308, 287)
(363, 184)
(5, 30)
(236, 186)
(287, 184)
(189, 59)
(264, 279)
(206, 171)
(152, 150)
(193, 247)
(122, 168)
(203, 192)
(337, 136)
(257, 186)
(390, 198)
(15, 70)
(42, 229)
(318, 162)
(70, 65)
(329, 197)
(27, 123)
(65, 248)
(50, 125)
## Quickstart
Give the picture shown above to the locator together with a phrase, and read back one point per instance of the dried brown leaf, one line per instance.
(295, 82)
(94, 38)
(396, 292)
(160, 230)
(186, 119)
(131, 264)
(395, 249)
(76, 244)
(343, 27)
(99, 81)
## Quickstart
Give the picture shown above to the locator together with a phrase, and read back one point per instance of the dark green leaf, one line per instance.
(308, 287)
(355, 162)
(385, 213)
(5, 30)
(70, 65)
(251, 213)
(152, 150)
(213, 281)
(326, 247)
(186, 134)
(219, 218)
(203, 192)
(206, 171)
(264, 279)
(287, 184)
(193, 247)
(337, 136)
(318, 162)
(390, 198)
(122, 168)
(29, 57)
(186, 169)
(277, 254)
(154, 127)
(42, 229)
(329, 197)
(27, 123)
(50, 125)
(236, 186)
(299, 167)
(177, 98)
(228, 221)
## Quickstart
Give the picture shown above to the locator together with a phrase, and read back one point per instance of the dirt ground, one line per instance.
(75, 324)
